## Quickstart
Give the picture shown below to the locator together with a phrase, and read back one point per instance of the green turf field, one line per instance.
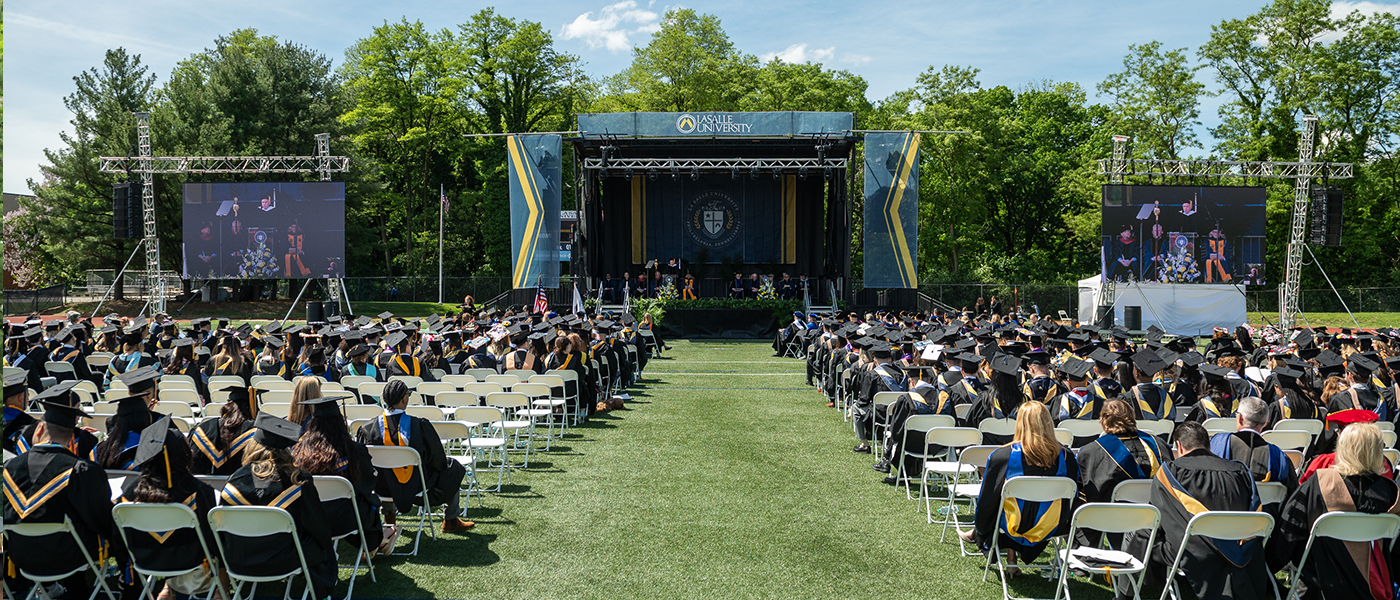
(725, 478)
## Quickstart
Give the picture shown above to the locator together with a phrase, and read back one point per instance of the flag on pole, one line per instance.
(445, 204)
(541, 301)
(578, 300)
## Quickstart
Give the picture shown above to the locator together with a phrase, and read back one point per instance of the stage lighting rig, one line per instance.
(753, 174)
(735, 173)
(602, 173)
(651, 174)
(627, 173)
(777, 173)
(802, 173)
(695, 173)
(675, 173)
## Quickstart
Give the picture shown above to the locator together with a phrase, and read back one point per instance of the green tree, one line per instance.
(72, 207)
(1156, 99)
(689, 64)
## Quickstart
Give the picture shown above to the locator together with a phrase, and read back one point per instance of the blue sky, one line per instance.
(1013, 42)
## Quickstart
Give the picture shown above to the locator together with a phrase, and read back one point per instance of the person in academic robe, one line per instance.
(973, 383)
(563, 356)
(1355, 483)
(1039, 386)
(752, 286)
(608, 289)
(66, 348)
(1196, 481)
(1122, 453)
(1360, 392)
(688, 288)
(1124, 256)
(16, 402)
(787, 288)
(1150, 401)
(1183, 394)
(403, 362)
(130, 358)
(315, 365)
(1002, 399)
(1027, 526)
(881, 377)
(24, 351)
(164, 462)
(1104, 387)
(1219, 256)
(83, 440)
(270, 477)
(737, 287)
(1266, 461)
(1217, 399)
(218, 445)
(228, 360)
(48, 484)
(1078, 402)
(442, 476)
(118, 450)
(923, 398)
(359, 364)
(327, 448)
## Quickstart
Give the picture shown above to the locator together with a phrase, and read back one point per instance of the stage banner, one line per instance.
(891, 210)
(535, 180)
(716, 124)
(714, 218)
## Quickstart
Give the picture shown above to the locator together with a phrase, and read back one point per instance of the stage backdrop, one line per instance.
(891, 210)
(534, 209)
(1183, 234)
(715, 218)
(264, 230)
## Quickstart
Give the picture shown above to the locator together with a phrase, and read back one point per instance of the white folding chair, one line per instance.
(408, 380)
(544, 405)
(455, 437)
(1271, 492)
(974, 457)
(1312, 426)
(257, 522)
(331, 386)
(393, 457)
(455, 399)
(367, 412)
(174, 384)
(1393, 456)
(1222, 525)
(1345, 527)
(431, 413)
(1030, 489)
(174, 409)
(29, 535)
(1219, 425)
(921, 424)
(98, 361)
(458, 381)
(483, 388)
(1083, 428)
(479, 374)
(505, 381)
(188, 397)
(1136, 491)
(520, 374)
(55, 368)
(276, 396)
(370, 392)
(1000, 427)
(222, 381)
(961, 411)
(430, 389)
(1388, 437)
(1162, 428)
(351, 382)
(275, 384)
(485, 439)
(277, 409)
(577, 409)
(438, 374)
(559, 390)
(1296, 457)
(330, 489)
(163, 519)
(511, 405)
(1385, 425)
(1064, 437)
(1289, 440)
(1109, 518)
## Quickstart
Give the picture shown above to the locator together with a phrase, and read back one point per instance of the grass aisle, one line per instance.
(725, 477)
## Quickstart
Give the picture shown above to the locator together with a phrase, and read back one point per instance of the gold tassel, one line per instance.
(169, 483)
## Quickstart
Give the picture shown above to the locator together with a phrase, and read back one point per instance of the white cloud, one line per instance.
(610, 29)
(109, 39)
(798, 53)
(1342, 9)
(856, 59)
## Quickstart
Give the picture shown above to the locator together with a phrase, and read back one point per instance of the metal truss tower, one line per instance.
(148, 165)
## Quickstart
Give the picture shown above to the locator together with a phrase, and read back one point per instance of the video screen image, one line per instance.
(1183, 234)
(264, 230)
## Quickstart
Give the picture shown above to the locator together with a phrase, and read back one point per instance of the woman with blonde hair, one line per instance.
(1357, 482)
(1033, 452)
(307, 388)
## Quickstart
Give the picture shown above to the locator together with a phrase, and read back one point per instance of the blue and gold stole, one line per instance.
(1166, 409)
(403, 474)
(232, 497)
(207, 447)
(1278, 461)
(1238, 552)
(1118, 451)
(25, 505)
(1084, 408)
(1029, 529)
(1213, 409)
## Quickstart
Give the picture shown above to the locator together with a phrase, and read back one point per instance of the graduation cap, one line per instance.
(1228, 350)
(1215, 371)
(361, 321)
(140, 381)
(970, 358)
(1154, 336)
(385, 316)
(1328, 360)
(1149, 362)
(274, 343)
(1394, 364)
(326, 405)
(1287, 373)
(358, 351)
(1078, 337)
(61, 414)
(395, 339)
(1361, 365)
(1353, 415)
(880, 350)
(1006, 363)
(1076, 369)
(965, 343)
(152, 444)
(1168, 357)
(1036, 357)
(920, 372)
(60, 393)
(15, 383)
(1104, 357)
(275, 433)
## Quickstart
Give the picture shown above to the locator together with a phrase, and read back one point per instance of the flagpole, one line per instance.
(441, 195)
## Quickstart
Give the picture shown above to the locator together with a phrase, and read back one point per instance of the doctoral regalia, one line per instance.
(211, 456)
(1366, 397)
(1337, 569)
(1183, 488)
(273, 554)
(177, 550)
(1029, 527)
(1266, 462)
(47, 484)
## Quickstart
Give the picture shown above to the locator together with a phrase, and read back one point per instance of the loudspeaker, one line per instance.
(126, 211)
(1326, 216)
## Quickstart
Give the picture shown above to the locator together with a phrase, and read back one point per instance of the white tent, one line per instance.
(1178, 309)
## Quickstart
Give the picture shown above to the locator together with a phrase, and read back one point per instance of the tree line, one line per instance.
(1016, 200)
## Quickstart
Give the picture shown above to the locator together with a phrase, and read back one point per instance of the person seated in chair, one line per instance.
(326, 448)
(442, 476)
(1266, 461)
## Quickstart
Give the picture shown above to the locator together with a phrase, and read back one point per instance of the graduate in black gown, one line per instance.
(923, 398)
(269, 477)
(47, 484)
(118, 450)
(164, 461)
(83, 440)
(1002, 399)
(1034, 452)
(1266, 461)
(443, 476)
(16, 401)
(1193, 482)
(1337, 569)
(1123, 452)
(326, 448)
(217, 445)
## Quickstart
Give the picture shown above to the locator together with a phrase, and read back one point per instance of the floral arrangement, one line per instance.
(766, 291)
(256, 262)
(667, 291)
(1180, 268)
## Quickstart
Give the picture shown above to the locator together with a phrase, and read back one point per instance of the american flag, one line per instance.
(445, 204)
(541, 301)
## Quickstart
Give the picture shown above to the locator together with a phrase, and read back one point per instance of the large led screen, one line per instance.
(1183, 234)
(264, 230)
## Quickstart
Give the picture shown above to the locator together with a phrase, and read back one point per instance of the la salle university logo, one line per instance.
(713, 219)
(685, 123)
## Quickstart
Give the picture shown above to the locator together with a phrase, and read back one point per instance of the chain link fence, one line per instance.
(23, 302)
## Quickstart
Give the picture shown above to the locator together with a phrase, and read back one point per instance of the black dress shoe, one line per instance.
(882, 466)
(863, 449)
(891, 480)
